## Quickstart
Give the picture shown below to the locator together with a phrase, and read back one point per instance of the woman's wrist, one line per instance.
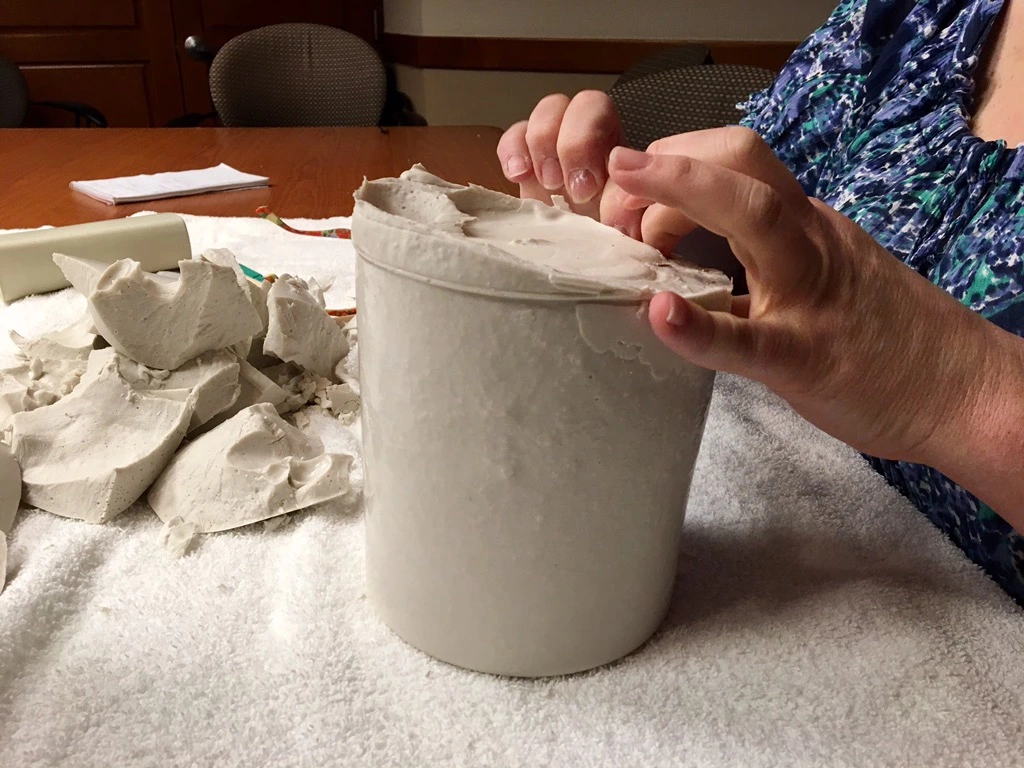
(981, 445)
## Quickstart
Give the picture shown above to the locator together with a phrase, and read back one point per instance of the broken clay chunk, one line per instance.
(300, 331)
(93, 453)
(162, 321)
(252, 467)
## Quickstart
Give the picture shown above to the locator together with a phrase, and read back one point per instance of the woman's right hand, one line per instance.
(563, 150)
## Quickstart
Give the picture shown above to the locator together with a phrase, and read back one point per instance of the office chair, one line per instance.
(14, 101)
(684, 99)
(293, 75)
(689, 55)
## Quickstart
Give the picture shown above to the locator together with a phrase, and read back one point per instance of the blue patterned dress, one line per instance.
(872, 115)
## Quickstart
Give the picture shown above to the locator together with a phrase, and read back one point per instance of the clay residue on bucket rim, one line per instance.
(471, 239)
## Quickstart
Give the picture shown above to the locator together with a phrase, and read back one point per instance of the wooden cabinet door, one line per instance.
(116, 55)
(217, 21)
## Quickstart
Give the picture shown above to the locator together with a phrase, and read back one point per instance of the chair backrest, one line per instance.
(297, 75)
(684, 99)
(13, 95)
(689, 55)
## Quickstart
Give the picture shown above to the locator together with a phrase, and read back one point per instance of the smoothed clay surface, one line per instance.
(93, 453)
(487, 240)
(162, 321)
(250, 468)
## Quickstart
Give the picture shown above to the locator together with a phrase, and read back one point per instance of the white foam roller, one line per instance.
(157, 242)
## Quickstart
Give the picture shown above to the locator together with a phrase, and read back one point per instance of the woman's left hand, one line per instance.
(858, 343)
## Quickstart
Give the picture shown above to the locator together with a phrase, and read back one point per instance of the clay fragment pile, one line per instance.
(175, 388)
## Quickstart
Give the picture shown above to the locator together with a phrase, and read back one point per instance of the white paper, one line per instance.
(157, 186)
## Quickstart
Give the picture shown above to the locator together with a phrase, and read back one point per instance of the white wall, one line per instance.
(476, 97)
(468, 97)
(609, 19)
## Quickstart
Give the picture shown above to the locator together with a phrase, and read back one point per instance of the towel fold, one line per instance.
(818, 620)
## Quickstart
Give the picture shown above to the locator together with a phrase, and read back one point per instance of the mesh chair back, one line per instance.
(297, 75)
(690, 55)
(13, 95)
(685, 99)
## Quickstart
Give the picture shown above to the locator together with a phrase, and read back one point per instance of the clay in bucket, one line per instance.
(529, 443)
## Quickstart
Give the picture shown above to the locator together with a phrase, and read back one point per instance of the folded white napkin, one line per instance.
(156, 186)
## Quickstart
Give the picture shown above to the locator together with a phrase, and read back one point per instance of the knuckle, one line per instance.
(593, 98)
(600, 111)
(656, 232)
(590, 127)
(744, 143)
(573, 149)
(661, 221)
(682, 165)
(676, 144)
(587, 151)
(514, 130)
(762, 207)
(541, 134)
(552, 102)
(513, 139)
(545, 122)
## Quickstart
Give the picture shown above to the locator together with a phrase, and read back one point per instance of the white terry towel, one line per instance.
(818, 620)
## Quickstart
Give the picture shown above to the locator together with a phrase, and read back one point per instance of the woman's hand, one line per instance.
(563, 149)
(855, 341)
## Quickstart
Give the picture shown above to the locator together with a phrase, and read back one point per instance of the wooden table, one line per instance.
(313, 171)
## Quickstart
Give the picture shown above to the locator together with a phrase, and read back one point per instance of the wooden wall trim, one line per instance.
(590, 56)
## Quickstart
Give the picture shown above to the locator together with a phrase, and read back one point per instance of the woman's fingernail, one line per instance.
(516, 166)
(551, 174)
(582, 186)
(678, 314)
(629, 159)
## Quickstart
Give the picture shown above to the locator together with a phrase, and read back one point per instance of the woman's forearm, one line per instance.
(983, 447)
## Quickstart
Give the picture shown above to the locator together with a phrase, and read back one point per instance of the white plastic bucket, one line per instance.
(525, 491)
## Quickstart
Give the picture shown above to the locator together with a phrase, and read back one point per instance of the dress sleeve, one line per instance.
(821, 88)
